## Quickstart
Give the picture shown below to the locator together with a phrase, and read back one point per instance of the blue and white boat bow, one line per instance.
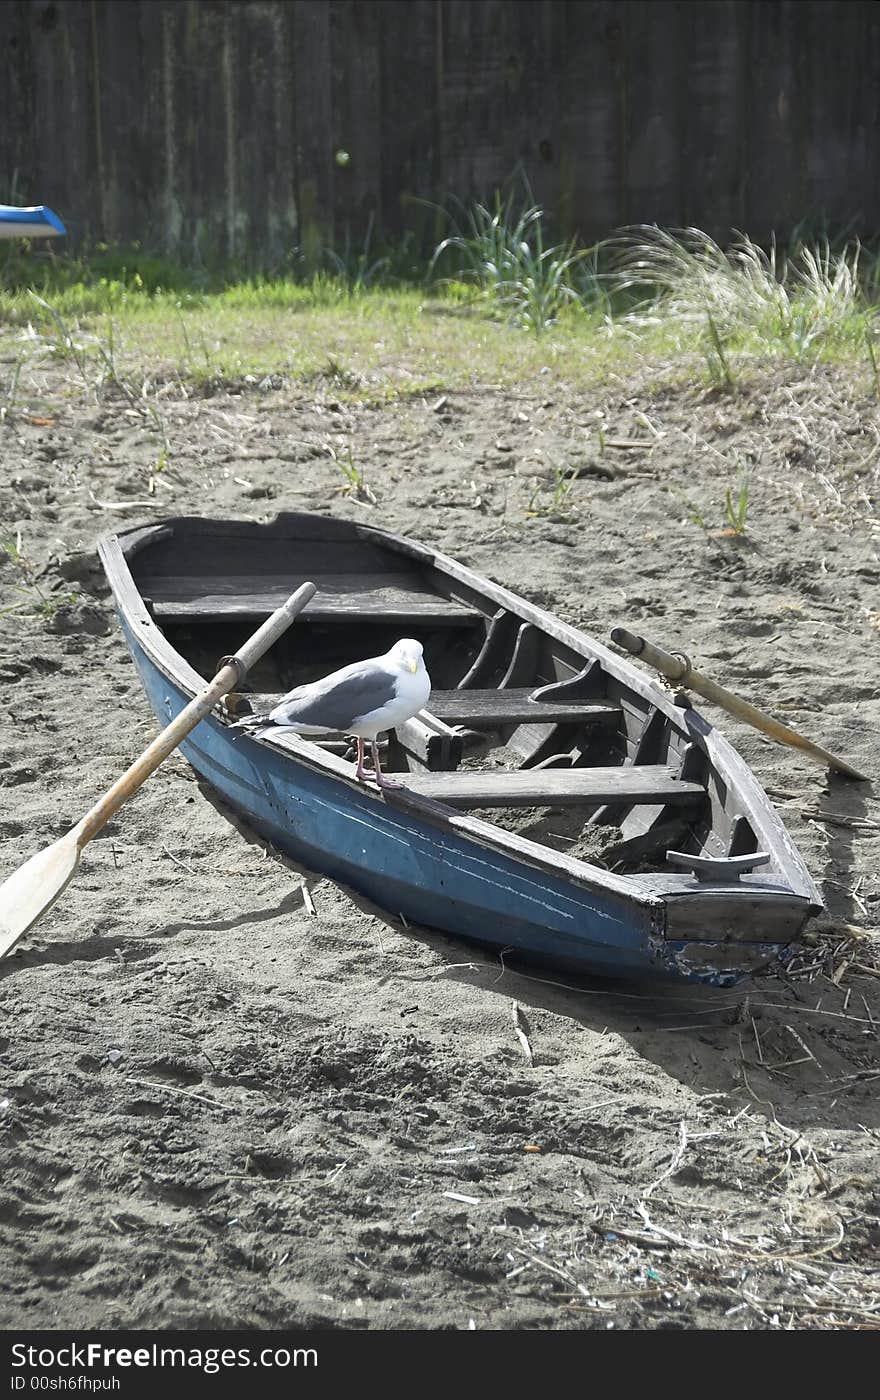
(35, 221)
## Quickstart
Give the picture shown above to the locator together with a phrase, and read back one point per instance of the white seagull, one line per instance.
(362, 699)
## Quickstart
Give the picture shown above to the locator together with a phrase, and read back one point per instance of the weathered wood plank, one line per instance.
(357, 125)
(313, 108)
(555, 787)
(370, 596)
(232, 556)
(486, 707)
(758, 909)
(213, 127)
(479, 707)
(430, 742)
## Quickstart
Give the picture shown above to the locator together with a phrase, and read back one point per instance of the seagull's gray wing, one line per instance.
(338, 706)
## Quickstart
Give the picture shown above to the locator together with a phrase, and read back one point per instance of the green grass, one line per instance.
(736, 508)
(33, 599)
(514, 306)
(388, 339)
(552, 502)
(356, 484)
(504, 256)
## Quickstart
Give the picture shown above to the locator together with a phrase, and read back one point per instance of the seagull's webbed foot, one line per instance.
(366, 775)
(383, 782)
(380, 778)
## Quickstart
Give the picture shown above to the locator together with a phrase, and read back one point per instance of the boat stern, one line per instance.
(721, 933)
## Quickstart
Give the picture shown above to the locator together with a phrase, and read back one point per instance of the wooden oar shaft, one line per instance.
(166, 742)
(677, 667)
(34, 887)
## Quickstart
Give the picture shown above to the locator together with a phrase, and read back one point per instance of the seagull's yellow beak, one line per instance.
(413, 666)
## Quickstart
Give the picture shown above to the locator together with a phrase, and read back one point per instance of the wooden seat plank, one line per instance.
(369, 597)
(487, 707)
(557, 787)
(478, 707)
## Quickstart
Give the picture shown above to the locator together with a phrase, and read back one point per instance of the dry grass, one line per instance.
(806, 302)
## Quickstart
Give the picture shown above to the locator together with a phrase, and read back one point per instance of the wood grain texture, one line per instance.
(367, 596)
(557, 787)
(212, 128)
(485, 707)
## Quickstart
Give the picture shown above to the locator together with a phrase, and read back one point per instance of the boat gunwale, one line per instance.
(117, 548)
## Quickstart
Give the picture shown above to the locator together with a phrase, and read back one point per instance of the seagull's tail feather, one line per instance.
(253, 724)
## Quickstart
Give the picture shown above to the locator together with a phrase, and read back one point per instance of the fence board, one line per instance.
(212, 128)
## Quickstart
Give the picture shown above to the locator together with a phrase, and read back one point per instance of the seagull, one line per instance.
(362, 699)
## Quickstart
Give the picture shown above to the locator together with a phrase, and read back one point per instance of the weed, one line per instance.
(815, 299)
(354, 266)
(675, 296)
(591, 283)
(719, 366)
(872, 356)
(48, 607)
(340, 374)
(188, 350)
(106, 352)
(66, 346)
(12, 548)
(356, 487)
(156, 470)
(502, 254)
(7, 408)
(737, 510)
(557, 507)
(693, 512)
(35, 599)
(541, 287)
(69, 348)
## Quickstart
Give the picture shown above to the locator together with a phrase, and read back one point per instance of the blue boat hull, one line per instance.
(438, 878)
(38, 221)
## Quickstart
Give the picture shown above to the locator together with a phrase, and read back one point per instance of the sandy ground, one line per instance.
(219, 1110)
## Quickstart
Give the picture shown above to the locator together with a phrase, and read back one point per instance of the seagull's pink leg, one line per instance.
(360, 772)
(382, 781)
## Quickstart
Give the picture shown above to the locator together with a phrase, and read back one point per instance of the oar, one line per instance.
(677, 667)
(27, 894)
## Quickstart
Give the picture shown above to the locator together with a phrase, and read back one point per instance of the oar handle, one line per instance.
(225, 680)
(676, 667)
(673, 667)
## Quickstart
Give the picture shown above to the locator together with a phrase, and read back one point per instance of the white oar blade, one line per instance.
(34, 888)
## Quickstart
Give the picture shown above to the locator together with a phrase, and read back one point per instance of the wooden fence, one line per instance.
(244, 129)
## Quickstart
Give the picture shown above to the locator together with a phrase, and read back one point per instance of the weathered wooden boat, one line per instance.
(627, 838)
(35, 221)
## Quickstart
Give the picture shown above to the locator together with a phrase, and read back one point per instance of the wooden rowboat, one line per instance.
(557, 803)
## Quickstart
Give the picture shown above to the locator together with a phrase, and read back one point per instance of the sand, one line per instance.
(220, 1110)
